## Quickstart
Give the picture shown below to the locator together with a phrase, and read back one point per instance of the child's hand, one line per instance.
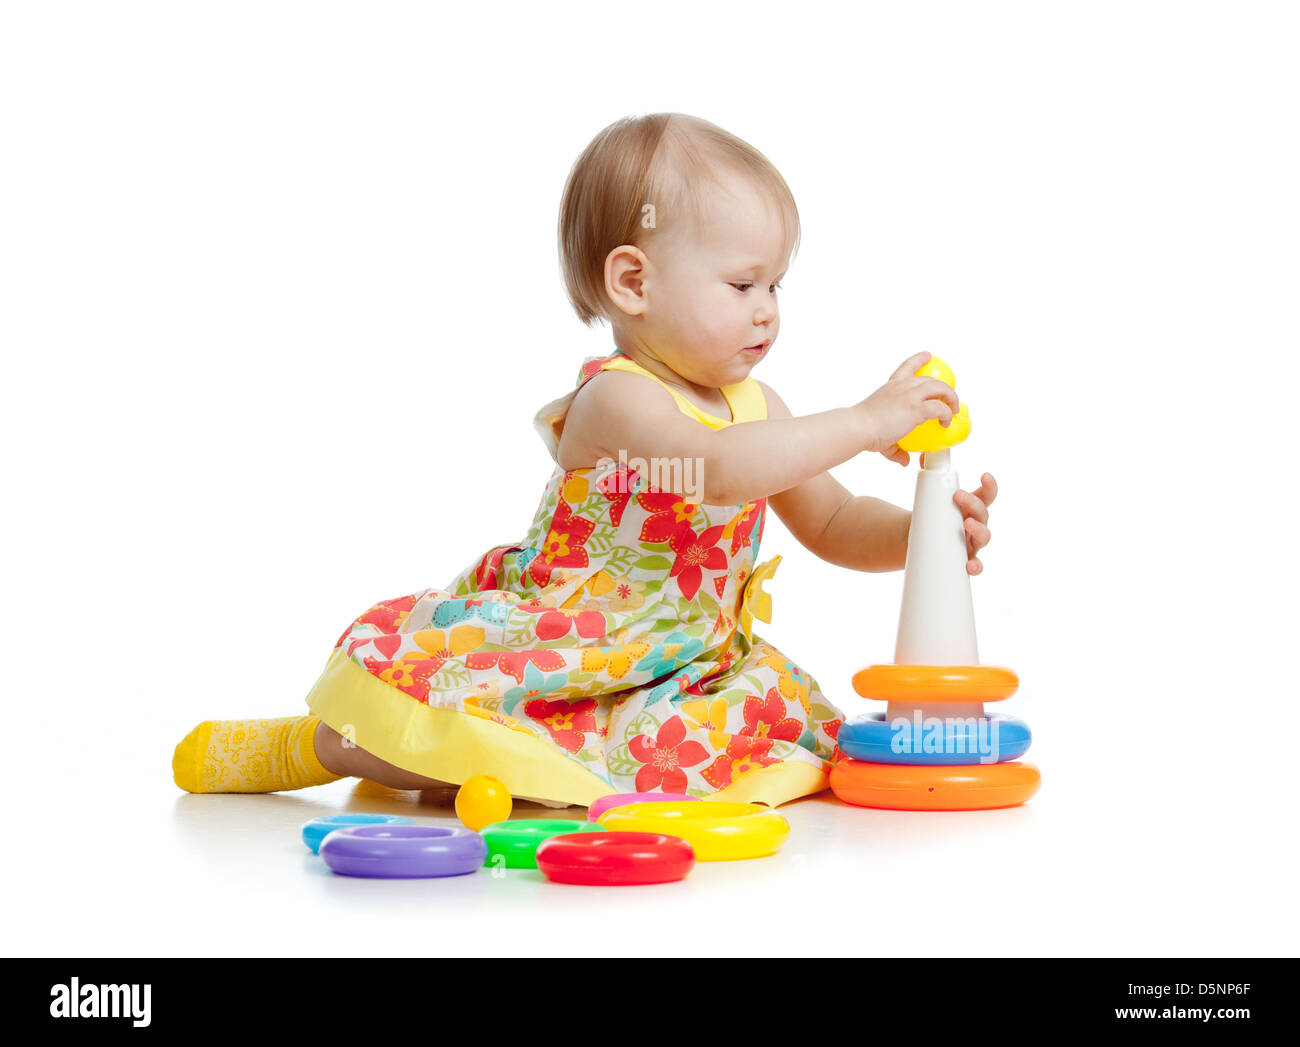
(903, 403)
(974, 506)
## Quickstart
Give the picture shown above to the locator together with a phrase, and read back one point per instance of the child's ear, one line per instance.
(625, 273)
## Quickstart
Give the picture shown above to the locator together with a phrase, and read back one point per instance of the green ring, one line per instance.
(517, 842)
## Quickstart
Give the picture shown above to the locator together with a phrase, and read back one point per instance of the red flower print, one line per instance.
(385, 616)
(749, 516)
(555, 623)
(698, 687)
(563, 544)
(388, 645)
(617, 487)
(408, 676)
(514, 662)
(668, 514)
(566, 720)
(593, 367)
(742, 756)
(665, 756)
(767, 719)
(696, 553)
(486, 571)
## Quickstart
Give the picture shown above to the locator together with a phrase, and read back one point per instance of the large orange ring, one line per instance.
(936, 683)
(933, 787)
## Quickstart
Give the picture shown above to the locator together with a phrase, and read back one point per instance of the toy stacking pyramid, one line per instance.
(934, 748)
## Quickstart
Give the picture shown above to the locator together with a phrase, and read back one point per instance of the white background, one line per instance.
(279, 296)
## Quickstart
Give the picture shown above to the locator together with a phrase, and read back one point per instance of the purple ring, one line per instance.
(390, 852)
(602, 805)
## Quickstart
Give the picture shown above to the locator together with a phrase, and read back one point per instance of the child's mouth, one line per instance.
(755, 349)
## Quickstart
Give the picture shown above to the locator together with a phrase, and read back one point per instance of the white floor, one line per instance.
(150, 871)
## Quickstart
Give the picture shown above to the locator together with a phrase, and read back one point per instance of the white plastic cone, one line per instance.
(936, 625)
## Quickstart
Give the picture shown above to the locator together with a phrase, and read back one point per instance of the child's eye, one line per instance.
(742, 287)
(775, 287)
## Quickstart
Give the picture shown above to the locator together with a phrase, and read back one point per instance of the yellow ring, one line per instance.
(719, 831)
(934, 787)
(936, 683)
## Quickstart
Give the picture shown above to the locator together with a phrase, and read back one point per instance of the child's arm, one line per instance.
(854, 531)
(862, 533)
(617, 412)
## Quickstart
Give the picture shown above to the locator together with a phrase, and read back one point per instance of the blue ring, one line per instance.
(961, 741)
(318, 828)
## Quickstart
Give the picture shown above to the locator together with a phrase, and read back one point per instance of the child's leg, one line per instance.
(344, 760)
(294, 752)
(262, 756)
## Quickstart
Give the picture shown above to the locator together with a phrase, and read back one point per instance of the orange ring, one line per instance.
(933, 787)
(936, 683)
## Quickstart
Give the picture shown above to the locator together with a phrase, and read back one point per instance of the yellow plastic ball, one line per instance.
(482, 801)
(930, 435)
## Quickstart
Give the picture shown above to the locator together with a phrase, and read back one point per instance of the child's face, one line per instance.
(710, 296)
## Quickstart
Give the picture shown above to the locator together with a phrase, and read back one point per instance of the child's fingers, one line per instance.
(977, 535)
(988, 490)
(896, 454)
(910, 366)
(971, 506)
(934, 392)
(945, 392)
(936, 405)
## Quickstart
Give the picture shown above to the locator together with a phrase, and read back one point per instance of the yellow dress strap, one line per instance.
(744, 397)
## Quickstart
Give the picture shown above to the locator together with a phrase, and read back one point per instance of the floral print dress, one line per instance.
(611, 650)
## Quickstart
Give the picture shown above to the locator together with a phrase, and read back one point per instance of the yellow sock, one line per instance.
(250, 756)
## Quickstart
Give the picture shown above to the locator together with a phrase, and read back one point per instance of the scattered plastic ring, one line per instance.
(936, 683)
(614, 859)
(318, 828)
(719, 831)
(994, 738)
(623, 799)
(392, 852)
(514, 844)
(915, 787)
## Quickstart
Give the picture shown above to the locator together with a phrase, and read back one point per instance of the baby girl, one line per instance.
(613, 648)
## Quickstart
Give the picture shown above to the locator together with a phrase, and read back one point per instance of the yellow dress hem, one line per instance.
(453, 746)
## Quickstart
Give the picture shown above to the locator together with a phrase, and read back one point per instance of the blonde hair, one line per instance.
(648, 166)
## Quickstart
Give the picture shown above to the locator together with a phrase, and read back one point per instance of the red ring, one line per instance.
(615, 859)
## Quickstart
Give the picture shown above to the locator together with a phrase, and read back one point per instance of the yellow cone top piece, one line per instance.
(930, 435)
